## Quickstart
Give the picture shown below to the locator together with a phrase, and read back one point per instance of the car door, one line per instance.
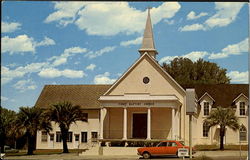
(160, 149)
(171, 148)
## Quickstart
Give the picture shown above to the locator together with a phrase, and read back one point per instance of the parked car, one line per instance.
(164, 148)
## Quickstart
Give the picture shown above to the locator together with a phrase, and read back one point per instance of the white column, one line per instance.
(172, 123)
(124, 123)
(101, 123)
(149, 124)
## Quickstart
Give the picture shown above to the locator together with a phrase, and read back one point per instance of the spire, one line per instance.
(148, 39)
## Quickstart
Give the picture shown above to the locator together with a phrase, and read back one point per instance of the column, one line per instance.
(172, 123)
(101, 123)
(124, 123)
(149, 124)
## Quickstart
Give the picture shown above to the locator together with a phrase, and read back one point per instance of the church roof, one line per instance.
(85, 96)
(223, 94)
(148, 38)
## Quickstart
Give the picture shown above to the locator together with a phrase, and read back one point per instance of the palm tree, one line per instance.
(64, 114)
(28, 122)
(224, 117)
(7, 118)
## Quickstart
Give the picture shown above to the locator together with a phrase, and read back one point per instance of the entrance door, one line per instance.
(76, 140)
(140, 125)
(51, 140)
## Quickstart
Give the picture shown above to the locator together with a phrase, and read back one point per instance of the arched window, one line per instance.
(205, 129)
(243, 133)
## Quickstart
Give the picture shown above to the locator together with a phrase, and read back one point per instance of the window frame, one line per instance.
(94, 138)
(82, 137)
(205, 130)
(243, 133)
(206, 108)
(58, 137)
(241, 109)
(44, 136)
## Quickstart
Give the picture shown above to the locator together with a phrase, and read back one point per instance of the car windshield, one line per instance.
(181, 142)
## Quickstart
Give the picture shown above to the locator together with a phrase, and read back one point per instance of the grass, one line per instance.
(217, 147)
(43, 152)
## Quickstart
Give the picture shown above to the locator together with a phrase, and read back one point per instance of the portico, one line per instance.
(139, 117)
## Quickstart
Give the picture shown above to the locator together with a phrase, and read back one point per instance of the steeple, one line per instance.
(148, 39)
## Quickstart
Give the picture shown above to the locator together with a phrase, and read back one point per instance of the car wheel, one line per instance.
(177, 154)
(146, 155)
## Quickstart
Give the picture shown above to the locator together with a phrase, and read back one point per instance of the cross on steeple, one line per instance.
(148, 39)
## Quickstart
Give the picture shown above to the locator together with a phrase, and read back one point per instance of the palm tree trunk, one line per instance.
(30, 144)
(222, 134)
(64, 138)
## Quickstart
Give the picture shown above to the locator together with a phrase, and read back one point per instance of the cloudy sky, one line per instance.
(95, 43)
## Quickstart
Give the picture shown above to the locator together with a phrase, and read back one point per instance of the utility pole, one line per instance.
(190, 137)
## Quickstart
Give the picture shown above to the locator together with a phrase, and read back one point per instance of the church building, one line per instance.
(145, 103)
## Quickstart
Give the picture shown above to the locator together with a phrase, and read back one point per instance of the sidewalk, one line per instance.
(74, 156)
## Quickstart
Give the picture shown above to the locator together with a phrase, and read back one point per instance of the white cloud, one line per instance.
(24, 85)
(10, 27)
(62, 59)
(46, 42)
(4, 98)
(65, 12)
(226, 14)
(170, 22)
(194, 56)
(91, 67)
(192, 27)
(192, 15)
(234, 49)
(100, 52)
(132, 42)
(103, 79)
(238, 77)
(108, 18)
(23, 43)
(53, 73)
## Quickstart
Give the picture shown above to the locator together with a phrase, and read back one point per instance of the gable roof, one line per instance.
(134, 65)
(240, 96)
(223, 94)
(84, 95)
(207, 95)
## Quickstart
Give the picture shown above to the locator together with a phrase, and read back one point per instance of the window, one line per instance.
(84, 136)
(206, 108)
(243, 133)
(172, 144)
(51, 137)
(242, 108)
(162, 144)
(205, 129)
(58, 137)
(77, 137)
(44, 136)
(69, 139)
(146, 80)
(94, 136)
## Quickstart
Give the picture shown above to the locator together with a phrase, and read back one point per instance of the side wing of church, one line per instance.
(145, 103)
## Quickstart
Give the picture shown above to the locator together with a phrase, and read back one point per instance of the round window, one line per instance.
(145, 80)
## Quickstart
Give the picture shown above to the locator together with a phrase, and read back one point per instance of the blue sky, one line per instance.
(96, 42)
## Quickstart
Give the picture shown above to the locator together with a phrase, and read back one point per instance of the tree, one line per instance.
(64, 114)
(224, 117)
(7, 119)
(28, 122)
(187, 72)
